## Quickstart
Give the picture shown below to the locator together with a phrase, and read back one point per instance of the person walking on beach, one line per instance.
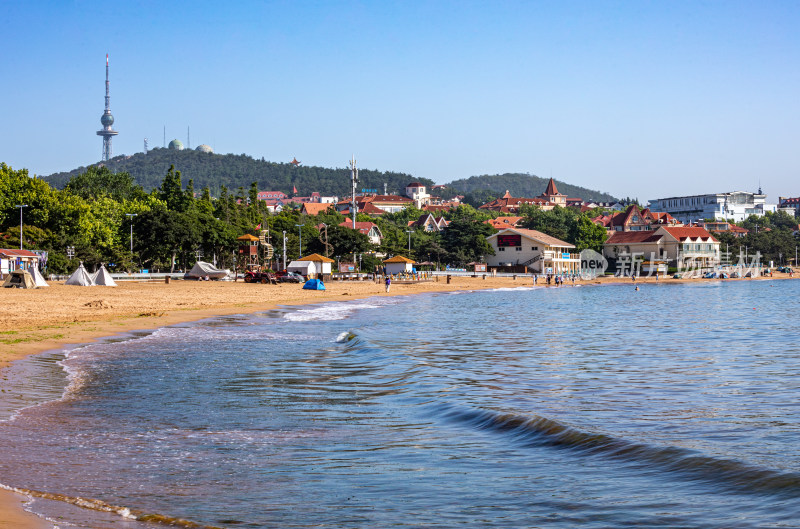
(388, 282)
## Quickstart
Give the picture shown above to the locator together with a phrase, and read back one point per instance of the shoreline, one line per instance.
(49, 319)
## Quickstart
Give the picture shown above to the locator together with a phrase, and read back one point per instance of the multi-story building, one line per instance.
(521, 250)
(677, 246)
(789, 205)
(736, 206)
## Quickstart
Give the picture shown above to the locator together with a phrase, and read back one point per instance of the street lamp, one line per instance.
(130, 216)
(20, 206)
(409, 243)
(300, 230)
(284, 249)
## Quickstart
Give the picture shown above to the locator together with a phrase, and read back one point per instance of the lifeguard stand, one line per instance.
(248, 250)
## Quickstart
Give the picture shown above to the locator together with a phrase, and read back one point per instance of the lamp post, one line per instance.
(284, 249)
(20, 206)
(130, 216)
(300, 231)
(409, 243)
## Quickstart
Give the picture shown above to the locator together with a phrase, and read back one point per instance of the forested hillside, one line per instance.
(240, 170)
(523, 185)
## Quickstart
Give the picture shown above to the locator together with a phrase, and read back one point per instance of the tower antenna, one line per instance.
(188, 138)
(107, 120)
(145, 146)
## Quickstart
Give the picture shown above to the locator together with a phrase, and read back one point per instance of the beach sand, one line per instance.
(33, 321)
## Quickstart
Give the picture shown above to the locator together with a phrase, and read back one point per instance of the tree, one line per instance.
(465, 241)
(100, 181)
(171, 190)
(587, 235)
(558, 222)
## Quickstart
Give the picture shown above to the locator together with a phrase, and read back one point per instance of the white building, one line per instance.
(737, 205)
(536, 251)
(417, 192)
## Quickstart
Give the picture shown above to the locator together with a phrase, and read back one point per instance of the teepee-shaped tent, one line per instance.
(37, 277)
(103, 278)
(80, 277)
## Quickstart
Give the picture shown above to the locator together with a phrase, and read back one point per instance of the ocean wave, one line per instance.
(335, 311)
(101, 506)
(537, 431)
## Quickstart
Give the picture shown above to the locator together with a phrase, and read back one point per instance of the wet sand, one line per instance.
(33, 321)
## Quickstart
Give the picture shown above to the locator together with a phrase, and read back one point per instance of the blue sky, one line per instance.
(643, 99)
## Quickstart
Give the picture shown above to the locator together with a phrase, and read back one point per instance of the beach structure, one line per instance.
(80, 277)
(103, 278)
(19, 279)
(37, 277)
(520, 250)
(314, 284)
(13, 259)
(202, 270)
(248, 249)
(320, 266)
(398, 265)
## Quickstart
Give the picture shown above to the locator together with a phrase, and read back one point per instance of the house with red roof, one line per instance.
(509, 204)
(428, 222)
(718, 226)
(688, 247)
(634, 219)
(522, 250)
(379, 203)
(370, 229)
(501, 223)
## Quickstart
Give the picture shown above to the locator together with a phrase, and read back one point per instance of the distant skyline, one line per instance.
(640, 99)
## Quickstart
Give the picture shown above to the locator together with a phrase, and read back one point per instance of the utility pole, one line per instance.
(354, 181)
(130, 216)
(20, 206)
(409, 243)
(300, 230)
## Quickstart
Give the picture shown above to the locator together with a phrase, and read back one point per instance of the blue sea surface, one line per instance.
(599, 407)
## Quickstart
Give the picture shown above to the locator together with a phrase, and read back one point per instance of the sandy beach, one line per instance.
(33, 321)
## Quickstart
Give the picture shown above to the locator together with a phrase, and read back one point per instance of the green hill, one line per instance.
(524, 185)
(240, 170)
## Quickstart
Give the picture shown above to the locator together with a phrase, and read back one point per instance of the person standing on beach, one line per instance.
(388, 282)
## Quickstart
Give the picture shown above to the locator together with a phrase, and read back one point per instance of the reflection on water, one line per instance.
(673, 406)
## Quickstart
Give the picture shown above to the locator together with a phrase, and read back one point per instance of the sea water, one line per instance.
(672, 406)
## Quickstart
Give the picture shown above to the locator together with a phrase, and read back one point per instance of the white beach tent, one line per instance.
(80, 277)
(103, 278)
(37, 277)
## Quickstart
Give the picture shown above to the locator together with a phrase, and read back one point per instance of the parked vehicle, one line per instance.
(291, 277)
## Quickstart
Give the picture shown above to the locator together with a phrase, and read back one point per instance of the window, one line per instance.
(501, 249)
(534, 248)
(518, 248)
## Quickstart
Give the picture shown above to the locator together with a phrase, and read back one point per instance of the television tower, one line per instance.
(107, 120)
